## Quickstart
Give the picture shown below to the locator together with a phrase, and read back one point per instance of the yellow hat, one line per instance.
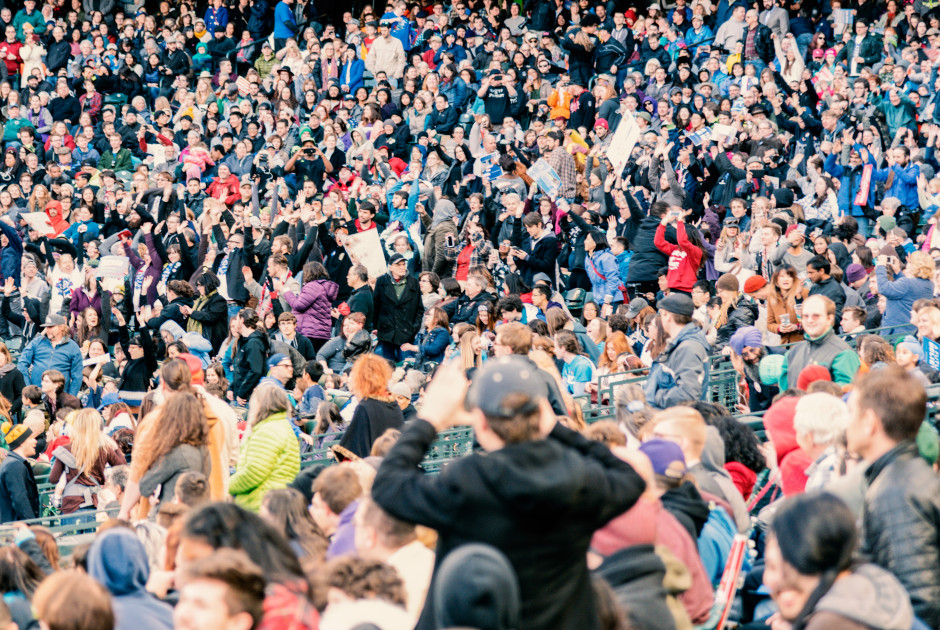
(15, 435)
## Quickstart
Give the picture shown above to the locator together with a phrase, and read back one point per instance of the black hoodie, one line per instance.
(688, 506)
(250, 364)
(636, 575)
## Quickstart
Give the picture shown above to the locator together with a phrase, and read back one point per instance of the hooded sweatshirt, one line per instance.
(118, 561)
(868, 598)
(791, 460)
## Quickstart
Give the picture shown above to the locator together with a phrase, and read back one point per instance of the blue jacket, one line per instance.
(40, 355)
(623, 262)
(456, 92)
(216, 19)
(432, 344)
(904, 186)
(285, 25)
(351, 75)
(901, 295)
(91, 232)
(604, 271)
(681, 371)
(117, 560)
(400, 29)
(11, 255)
(849, 181)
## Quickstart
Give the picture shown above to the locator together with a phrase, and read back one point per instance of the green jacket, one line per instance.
(828, 350)
(35, 18)
(269, 459)
(120, 162)
(12, 129)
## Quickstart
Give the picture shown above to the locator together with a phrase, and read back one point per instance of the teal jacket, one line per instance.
(269, 459)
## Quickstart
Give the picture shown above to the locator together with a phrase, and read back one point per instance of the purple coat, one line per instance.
(80, 301)
(153, 271)
(312, 308)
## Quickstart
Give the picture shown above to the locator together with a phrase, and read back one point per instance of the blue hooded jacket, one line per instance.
(118, 561)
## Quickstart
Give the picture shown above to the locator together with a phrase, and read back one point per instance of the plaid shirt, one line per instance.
(563, 163)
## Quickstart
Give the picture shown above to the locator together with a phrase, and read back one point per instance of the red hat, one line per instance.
(754, 283)
(795, 228)
(792, 461)
(195, 368)
(811, 374)
(601, 123)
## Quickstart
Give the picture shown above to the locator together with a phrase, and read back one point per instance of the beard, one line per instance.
(752, 369)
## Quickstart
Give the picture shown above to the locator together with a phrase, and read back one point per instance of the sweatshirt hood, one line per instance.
(476, 587)
(870, 596)
(118, 561)
(173, 328)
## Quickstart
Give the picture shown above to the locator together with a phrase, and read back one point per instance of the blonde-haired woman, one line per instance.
(78, 471)
(916, 283)
(270, 454)
(376, 411)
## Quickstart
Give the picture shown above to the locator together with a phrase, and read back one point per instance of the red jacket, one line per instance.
(7, 48)
(684, 258)
(226, 189)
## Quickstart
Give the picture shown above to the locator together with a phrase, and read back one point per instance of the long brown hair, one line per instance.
(180, 420)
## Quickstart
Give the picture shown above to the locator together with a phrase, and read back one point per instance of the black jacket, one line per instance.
(742, 314)
(362, 301)
(214, 319)
(901, 525)
(58, 55)
(538, 502)
(834, 291)
(171, 312)
(251, 364)
(762, 42)
(19, 497)
(636, 575)
(541, 258)
(465, 309)
(397, 321)
(443, 121)
(647, 258)
(370, 420)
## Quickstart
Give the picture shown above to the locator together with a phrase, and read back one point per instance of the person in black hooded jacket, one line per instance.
(252, 357)
(208, 315)
(647, 258)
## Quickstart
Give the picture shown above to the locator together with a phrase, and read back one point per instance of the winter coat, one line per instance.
(312, 308)
(604, 272)
(250, 363)
(19, 496)
(849, 182)
(370, 420)
(213, 315)
(562, 485)
(743, 313)
(397, 320)
(432, 344)
(647, 258)
(901, 295)
(40, 355)
(437, 256)
(465, 309)
(680, 372)
(900, 525)
(269, 459)
(827, 350)
(541, 258)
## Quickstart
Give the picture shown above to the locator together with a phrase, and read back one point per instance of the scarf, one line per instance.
(193, 325)
(139, 282)
(168, 271)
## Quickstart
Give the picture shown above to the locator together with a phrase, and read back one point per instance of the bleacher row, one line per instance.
(458, 442)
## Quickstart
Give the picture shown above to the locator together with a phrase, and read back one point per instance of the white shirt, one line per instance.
(414, 563)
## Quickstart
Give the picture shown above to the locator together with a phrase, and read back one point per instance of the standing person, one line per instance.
(312, 306)
(901, 513)
(685, 258)
(19, 496)
(179, 445)
(604, 272)
(915, 283)
(785, 305)
(252, 357)
(820, 346)
(680, 371)
(82, 462)
(377, 410)
(398, 309)
(53, 350)
(208, 315)
(285, 24)
(819, 271)
(386, 55)
(812, 578)
(537, 495)
(270, 455)
(361, 299)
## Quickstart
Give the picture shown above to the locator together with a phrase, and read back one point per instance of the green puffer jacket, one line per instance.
(269, 459)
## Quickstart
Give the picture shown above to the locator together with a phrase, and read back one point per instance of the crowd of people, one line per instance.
(257, 259)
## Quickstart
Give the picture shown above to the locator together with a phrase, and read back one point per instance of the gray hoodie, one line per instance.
(871, 597)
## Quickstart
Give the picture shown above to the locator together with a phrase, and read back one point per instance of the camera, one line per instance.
(308, 151)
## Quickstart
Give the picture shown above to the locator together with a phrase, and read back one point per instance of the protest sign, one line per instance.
(38, 221)
(621, 145)
(491, 168)
(545, 178)
(366, 249)
(114, 267)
